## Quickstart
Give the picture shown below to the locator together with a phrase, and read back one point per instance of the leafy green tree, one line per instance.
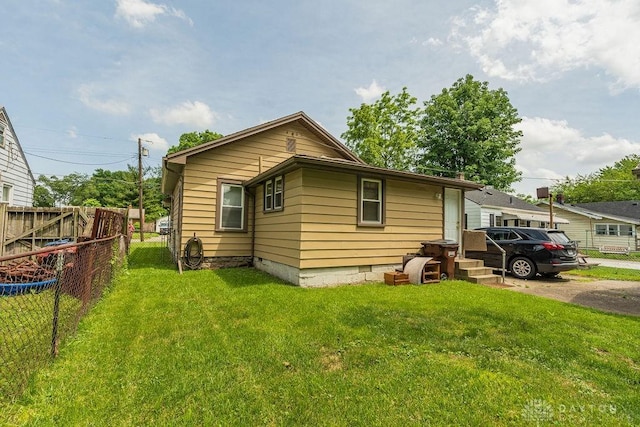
(193, 139)
(65, 190)
(42, 197)
(111, 189)
(117, 189)
(469, 128)
(92, 203)
(384, 133)
(609, 184)
(153, 197)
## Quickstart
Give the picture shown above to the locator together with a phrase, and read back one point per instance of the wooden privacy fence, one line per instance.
(26, 229)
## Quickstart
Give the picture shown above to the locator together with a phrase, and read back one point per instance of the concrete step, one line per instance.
(485, 279)
(468, 263)
(474, 271)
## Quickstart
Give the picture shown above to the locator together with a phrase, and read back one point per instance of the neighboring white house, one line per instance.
(16, 180)
(489, 207)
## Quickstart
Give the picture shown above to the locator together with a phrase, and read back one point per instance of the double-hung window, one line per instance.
(231, 207)
(370, 202)
(277, 192)
(274, 194)
(268, 195)
(2, 136)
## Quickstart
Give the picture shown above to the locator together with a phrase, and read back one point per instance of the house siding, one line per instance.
(330, 236)
(277, 236)
(176, 221)
(473, 212)
(14, 170)
(583, 230)
(241, 160)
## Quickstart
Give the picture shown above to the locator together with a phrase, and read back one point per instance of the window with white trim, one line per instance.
(278, 192)
(6, 193)
(231, 207)
(2, 128)
(268, 195)
(274, 194)
(614, 230)
(370, 202)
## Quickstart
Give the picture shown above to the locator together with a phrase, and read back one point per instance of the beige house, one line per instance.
(290, 199)
(601, 225)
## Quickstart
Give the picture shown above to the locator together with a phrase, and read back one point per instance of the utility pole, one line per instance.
(140, 192)
(550, 210)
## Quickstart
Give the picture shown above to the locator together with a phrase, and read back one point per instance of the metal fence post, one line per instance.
(56, 303)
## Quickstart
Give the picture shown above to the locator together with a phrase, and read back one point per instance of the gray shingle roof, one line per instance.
(489, 196)
(627, 209)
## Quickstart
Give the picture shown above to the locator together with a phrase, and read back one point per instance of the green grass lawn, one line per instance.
(237, 347)
(26, 323)
(608, 273)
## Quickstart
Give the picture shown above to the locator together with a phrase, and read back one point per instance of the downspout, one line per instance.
(253, 226)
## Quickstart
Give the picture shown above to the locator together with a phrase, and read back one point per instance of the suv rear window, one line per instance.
(558, 236)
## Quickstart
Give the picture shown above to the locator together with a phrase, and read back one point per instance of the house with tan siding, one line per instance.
(289, 198)
(16, 180)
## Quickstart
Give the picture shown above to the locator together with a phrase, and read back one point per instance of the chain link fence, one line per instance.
(43, 296)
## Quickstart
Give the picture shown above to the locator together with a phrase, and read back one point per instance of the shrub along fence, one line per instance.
(43, 296)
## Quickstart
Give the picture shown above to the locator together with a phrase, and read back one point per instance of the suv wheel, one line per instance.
(522, 268)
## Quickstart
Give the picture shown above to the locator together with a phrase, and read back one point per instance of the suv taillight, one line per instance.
(552, 246)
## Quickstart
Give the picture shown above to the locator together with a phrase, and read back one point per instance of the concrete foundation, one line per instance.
(324, 277)
(225, 262)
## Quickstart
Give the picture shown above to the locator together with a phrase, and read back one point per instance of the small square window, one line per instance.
(626, 230)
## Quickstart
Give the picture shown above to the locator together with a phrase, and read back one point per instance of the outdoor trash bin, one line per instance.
(444, 251)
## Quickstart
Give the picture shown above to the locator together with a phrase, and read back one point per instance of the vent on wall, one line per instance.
(291, 145)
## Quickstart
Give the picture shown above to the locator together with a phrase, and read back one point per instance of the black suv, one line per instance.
(528, 251)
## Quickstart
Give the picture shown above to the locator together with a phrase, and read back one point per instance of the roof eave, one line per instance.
(332, 164)
(300, 116)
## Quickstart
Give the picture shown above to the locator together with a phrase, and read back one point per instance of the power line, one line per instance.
(79, 163)
(75, 152)
(67, 132)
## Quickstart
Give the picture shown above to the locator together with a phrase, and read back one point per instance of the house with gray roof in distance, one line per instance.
(489, 207)
(602, 225)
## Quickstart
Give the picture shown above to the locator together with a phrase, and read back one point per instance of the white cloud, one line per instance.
(153, 141)
(552, 150)
(139, 13)
(72, 132)
(530, 41)
(196, 114)
(88, 95)
(370, 93)
(431, 41)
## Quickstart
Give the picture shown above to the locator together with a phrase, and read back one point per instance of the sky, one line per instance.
(82, 81)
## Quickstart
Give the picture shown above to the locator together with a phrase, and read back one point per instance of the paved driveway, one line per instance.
(607, 295)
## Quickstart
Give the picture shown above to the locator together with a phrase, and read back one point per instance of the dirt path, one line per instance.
(607, 295)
